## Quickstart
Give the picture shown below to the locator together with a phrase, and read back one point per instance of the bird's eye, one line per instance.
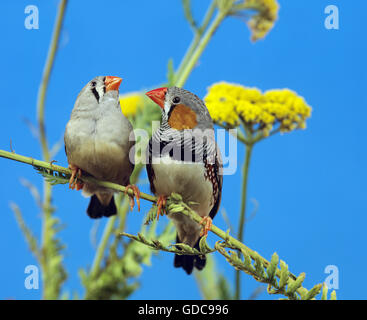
(176, 100)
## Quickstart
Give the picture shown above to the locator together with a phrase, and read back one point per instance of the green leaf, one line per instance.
(292, 287)
(313, 292)
(324, 292)
(52, 177)
(333, 295)
(259, 268)
(247, 261)
(271, 269)
(151, 215)
(186, 248)
(284, 274)
(204, 247)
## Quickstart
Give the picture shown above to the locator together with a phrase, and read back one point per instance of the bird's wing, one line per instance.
(149, 166)
(215, 171)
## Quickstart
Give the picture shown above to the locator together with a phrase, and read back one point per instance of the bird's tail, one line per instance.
(97, 210)
(188, 262)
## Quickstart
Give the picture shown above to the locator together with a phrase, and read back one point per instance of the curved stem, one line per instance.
(46, 77)
(240, 136)
(196, 39)
(241, 225)
(199, 49)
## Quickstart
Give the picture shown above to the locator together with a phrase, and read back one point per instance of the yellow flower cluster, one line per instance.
(230, 103)
(131, 103)
(261, 23)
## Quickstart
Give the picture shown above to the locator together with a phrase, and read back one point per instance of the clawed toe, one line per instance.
(75, 174)
(136, 192)
(161, 204)
(207, 225)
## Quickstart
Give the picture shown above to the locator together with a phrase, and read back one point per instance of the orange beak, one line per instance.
(158, 95)
(112, 83)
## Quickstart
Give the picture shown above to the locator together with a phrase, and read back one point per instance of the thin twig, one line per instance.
(67, 172)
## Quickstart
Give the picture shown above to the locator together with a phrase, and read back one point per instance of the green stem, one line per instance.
(48, 291)
(182, 77)
(239, 135)
(241, 225)
(102, 246)
(42, 92)
(196, 39)
(245, 172)
(67, 172)
(123, 208)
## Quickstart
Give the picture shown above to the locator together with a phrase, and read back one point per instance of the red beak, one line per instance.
(158, 95)
(112, 83)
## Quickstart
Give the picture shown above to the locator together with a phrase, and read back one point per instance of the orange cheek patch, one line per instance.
(182, 117)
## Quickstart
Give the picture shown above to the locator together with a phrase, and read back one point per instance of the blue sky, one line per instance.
(310, 185)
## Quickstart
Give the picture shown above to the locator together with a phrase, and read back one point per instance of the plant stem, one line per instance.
(42, 92)
(67, 171)
(102, 246)
(123, 208)
(241, 225)
(182, 77)
(196, 39)
(239, 135)
(49, 292)
(246, 166)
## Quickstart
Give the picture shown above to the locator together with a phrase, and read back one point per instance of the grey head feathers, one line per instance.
(176, 96)
(196, 143)
(94, 95)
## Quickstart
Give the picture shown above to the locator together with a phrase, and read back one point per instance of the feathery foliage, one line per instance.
(118, 263)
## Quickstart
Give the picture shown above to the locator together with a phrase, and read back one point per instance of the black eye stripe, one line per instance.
(170, 110)
(95, 92)
(104, 85)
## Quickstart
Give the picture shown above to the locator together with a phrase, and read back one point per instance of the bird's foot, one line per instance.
(207, 225)
(75, 174)
(131, 197)
(161, 204)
